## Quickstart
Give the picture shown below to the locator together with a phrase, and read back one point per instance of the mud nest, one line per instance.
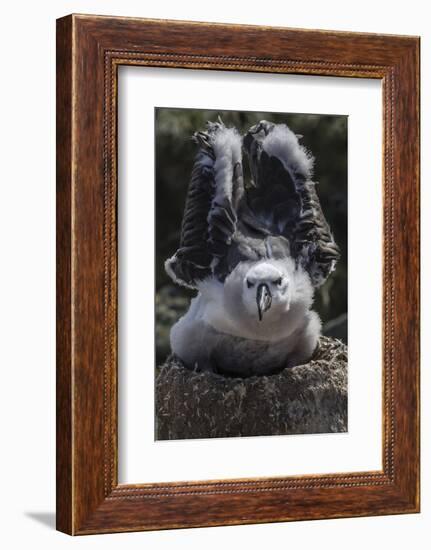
(309, 398)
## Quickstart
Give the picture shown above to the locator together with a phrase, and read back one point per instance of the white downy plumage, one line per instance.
(252, 314)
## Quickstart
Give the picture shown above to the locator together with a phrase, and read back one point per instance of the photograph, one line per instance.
(237, 272)
(213, 319)
(251, 310)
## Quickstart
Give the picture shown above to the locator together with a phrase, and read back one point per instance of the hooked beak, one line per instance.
(263, 299)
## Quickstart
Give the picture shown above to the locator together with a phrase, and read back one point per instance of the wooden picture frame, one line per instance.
(89, 51)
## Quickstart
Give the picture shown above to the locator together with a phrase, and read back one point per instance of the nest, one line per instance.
(309, 398)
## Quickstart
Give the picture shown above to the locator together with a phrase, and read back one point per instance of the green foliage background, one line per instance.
(324, 135)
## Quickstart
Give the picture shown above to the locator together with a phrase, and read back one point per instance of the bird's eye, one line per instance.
(278, 281)
(249, 284)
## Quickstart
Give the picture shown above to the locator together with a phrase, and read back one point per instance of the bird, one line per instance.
(255, 248)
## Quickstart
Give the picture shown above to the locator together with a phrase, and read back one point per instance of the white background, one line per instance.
(27, 275)
(141, 458)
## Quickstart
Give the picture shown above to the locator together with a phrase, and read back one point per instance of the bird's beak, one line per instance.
(263, 299)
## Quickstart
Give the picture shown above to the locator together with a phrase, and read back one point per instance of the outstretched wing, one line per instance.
(283, 199)
(210, 218)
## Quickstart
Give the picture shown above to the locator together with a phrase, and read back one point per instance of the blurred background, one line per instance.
(324, 135)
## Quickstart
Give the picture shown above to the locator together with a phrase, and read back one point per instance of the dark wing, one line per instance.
(209, 219)
(282, 197)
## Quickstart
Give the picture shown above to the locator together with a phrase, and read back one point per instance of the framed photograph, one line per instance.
(237, 274)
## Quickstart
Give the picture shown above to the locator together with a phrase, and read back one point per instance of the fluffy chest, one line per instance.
(227, 317)
(233, 355)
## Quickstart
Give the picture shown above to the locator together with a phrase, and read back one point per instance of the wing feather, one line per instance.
(210, 218)
(283, 197)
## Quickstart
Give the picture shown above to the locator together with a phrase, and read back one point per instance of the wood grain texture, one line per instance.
(90, 49)
(64, 496)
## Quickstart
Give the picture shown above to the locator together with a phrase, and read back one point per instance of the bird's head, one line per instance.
(265, 290)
